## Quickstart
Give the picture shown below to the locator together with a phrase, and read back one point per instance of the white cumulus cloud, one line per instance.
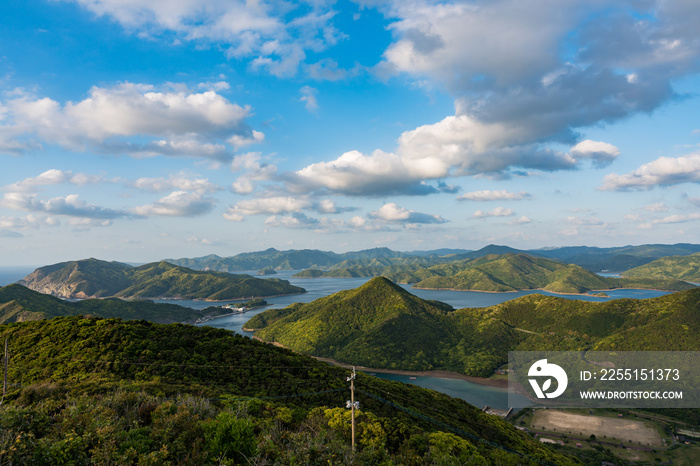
(53, 177)
(69, 205)
(177, 204)
(267, 205)
(274, 34)
(176, 182)
(136, 119)
(393, 213)
(664, 171)
(358, 174)
(600, 153)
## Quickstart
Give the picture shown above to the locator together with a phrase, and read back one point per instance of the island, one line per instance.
(382, 325)
(497, 273)
(93, 278)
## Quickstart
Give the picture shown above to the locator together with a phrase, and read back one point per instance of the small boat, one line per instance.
(411, 378)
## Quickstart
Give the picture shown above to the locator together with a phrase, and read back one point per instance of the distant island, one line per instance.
(20, 304)
(382, 325)
(495, 273)
(594, 259)
(93, 278)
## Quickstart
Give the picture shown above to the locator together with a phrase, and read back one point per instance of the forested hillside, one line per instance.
(594, 259)
(280, 260)
(106, 391)
(505, 272)
(381, 325)
(673, 267)
(92, 278)
(20, 304)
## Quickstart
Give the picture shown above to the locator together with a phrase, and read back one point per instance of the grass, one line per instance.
(685, 455)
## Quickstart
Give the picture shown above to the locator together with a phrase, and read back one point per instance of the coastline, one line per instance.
(588, 293)
(496, 383)
(165, 298)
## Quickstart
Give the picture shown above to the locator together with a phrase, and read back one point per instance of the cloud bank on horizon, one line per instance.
(344, 125)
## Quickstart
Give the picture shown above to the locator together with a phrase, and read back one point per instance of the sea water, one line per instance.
(9, 275)
(478, 395)
(475, 394)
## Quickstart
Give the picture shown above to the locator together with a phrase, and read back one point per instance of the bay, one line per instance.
(475, 394)
(478, 395)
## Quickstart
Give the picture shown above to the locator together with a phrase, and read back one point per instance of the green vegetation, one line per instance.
(381, 325)
(505, 272)
(591, 258)
(19, 304)
(671, 268)
(93, 278)
(615, 259)
(106, 391)
(280, 260)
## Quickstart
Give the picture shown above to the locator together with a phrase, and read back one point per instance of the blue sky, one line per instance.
(137, 131)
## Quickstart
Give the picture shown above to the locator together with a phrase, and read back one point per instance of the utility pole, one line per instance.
(352, 404)
(4, 383)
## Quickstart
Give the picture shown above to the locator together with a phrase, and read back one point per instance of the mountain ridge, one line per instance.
(93, 278)
(495, 273)
(21, 304)
(426, 336)
(594, 259)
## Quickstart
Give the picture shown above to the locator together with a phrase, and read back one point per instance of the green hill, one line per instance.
(685, 268)
(365, 325)
(498, 273)
(92, 278)
(381, 325)
(617, 258)
(591, 258)
(20, 304)
(106, 391)
(510, 272)
(280, 260)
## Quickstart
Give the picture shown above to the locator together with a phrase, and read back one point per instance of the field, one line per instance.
(607, 429)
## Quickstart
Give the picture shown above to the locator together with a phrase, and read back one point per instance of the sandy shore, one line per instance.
(498, 383)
